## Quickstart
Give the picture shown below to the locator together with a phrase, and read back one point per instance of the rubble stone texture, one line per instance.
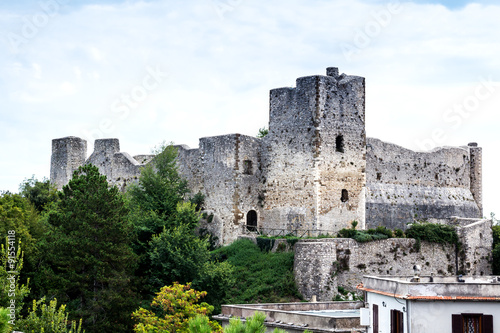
(315, 170)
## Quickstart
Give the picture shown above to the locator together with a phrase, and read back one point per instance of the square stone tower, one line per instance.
(314, 157)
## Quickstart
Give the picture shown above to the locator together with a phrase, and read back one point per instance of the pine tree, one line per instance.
(89, 262)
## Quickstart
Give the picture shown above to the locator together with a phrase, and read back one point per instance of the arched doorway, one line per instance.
(252, 220)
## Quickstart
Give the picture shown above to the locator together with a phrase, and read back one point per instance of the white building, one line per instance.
(431, 304)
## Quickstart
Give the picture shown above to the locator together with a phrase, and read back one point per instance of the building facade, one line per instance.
(431, 304)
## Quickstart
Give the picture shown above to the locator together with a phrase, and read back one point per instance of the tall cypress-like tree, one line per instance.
(89, 263)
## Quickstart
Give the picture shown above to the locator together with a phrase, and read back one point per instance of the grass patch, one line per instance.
(261, 277)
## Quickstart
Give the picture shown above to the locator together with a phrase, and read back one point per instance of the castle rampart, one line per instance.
(403, 185)
(322, 265)
(315, 170)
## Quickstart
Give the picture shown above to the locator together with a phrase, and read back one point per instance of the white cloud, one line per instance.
(65, 79)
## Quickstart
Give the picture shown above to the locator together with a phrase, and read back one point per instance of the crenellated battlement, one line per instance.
(315, 170)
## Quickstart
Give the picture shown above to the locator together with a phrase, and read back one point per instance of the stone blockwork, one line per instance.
(315, 170)
(69, 153)
(476, 237)
(314, 155)
(403, 185)
(322, 265)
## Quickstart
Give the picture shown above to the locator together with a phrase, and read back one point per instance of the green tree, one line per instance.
(12, 291)
(19, 215)
(177, 254)
(39, 193)
(160, 187)
(171, 310)
(4, 320)
(165, 224)
(88, 261)
(496, 249)
(48, 319)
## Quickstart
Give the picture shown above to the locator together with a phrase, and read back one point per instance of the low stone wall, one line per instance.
(322, 265)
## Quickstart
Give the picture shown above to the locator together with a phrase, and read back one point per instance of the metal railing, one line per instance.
(277, 232)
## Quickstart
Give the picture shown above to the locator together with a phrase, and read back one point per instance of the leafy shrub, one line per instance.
(347, 233)
(496, 235)
(398, 233)
(4, 320)
(172, 309)
(364, 236)
(261, 277)
(433, 232)
(496, 260)
(265, 244)
(198, 200)
(48, 319)
(199, 324)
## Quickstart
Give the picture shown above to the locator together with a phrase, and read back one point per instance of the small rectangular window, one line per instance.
(397, 321)
(471, 323)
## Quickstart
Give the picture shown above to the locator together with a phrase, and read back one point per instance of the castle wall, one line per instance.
(322, 265)
(476, 237)
(68, 154)
(230, 186)
(189, 164)
(403, 185)
(306, 167)
(476, 175)
(315, 170)
(120, 168)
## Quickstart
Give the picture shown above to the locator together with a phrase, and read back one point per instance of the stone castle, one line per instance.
(316, 170)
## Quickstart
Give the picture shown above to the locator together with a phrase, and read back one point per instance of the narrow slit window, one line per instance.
(339, 143)
(345, 196)
(247, 167)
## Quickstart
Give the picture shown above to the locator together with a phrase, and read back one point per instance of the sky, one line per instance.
(152, 71)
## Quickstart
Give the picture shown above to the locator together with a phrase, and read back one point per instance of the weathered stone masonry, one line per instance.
(315, 170)
(322, 265)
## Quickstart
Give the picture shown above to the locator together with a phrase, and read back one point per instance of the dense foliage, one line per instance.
(11, 260)
(367, 235)
(171, 310)
(48, 319)
(39, 193)
(106, 255)
(261, 277)
(88, 262)
(433, 232)
(165, 226)
(496, 250)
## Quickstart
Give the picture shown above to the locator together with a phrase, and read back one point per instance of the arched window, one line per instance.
(339, 143)
(345, 195)
(252, 220)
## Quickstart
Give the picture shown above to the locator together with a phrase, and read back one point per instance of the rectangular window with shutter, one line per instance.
(375, 318)
(471, 323)
(397, 321)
